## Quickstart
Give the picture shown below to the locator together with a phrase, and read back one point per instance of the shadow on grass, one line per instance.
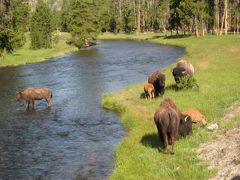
(176, 36)
(142, 96)
(152, 140)
(172, 87)
(156, 37)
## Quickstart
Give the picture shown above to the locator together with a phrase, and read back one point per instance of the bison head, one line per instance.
(178, 72)
(185, 126)
(18, 96)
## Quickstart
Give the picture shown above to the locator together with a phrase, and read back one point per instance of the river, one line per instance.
(77, 137)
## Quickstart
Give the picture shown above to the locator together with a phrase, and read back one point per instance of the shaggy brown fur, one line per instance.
(158, 80)
(30, 94)
(196, 116)
(171, 123)
(182, 68)
(187, 66)
(149, 91)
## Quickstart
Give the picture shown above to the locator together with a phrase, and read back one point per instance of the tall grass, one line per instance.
(25, 54)
(217, 63)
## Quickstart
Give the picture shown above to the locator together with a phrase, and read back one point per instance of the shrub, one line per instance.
(187, 82)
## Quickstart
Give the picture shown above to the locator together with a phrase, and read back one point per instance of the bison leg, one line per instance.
(32, 104)
(165, 143)
(49, 102)
(28, 104)
(153, 96)
(173, 141)
(150, 95)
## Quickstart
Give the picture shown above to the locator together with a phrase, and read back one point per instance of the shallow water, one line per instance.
(77, 137)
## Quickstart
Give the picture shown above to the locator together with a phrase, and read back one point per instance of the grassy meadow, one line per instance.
(26, 55)
(217, 63)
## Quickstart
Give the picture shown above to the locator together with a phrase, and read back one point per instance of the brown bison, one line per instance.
(30, 94)
(171, 123)
(158, 80)
(182, 68)
(195, 115)
(149, 91)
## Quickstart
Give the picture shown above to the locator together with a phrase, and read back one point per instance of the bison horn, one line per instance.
(185, 119)
(184, 72)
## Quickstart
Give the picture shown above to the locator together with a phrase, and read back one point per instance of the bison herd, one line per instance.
(169, 120)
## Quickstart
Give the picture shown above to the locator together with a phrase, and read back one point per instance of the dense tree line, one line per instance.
(84, 19)
(186, 16)
(196, 17)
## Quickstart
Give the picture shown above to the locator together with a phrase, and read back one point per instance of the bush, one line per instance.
(187, 82)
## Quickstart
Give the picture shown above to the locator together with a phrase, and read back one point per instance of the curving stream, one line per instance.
(77, 137)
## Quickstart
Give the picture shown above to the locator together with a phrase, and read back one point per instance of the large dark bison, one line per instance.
(183, 68)
(171, 123)
(158, 80)
(30, 94)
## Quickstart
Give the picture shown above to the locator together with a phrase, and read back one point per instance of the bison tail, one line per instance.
(51, 94)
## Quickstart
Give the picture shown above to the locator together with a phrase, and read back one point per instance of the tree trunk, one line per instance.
(196, 26)
(238, 17)
(222, 23)
(138, 30)
(216, 21)
(120, 15)
(226, 16)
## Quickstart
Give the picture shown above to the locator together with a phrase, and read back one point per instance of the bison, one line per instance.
(195, 115)
(158, 80)
(149, 91)
(171, 123)
(183, 68)
(30, 94)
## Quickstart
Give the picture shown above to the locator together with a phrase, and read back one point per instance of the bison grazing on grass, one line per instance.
(195, 115)
(183, 68)
(171, 123)
(158, 80)
(30, 94)
(149, 91)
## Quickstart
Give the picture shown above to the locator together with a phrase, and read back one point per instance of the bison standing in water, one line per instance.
(171, 123)
(157, 79)
(30, 94)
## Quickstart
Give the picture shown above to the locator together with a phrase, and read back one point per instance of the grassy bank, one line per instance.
(216, 61)
(26, 55)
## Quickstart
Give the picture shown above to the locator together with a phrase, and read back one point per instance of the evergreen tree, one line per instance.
(6, 29)
(175, 19)
(193, 13)
(84, 22)
(104, 13)
(41, 26)
(20, 10)
(65, 16)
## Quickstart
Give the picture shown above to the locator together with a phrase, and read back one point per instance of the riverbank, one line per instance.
(26, 55)
(217, 64)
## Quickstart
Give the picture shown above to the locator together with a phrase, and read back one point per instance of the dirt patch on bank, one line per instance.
(223, 153)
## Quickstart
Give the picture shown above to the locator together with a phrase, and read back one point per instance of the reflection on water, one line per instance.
(76, 138)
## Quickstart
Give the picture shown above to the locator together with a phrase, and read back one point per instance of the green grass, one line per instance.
(26, 55)
(217, 63)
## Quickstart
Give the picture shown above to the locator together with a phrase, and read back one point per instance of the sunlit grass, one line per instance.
(25, 54)
(217, 63)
